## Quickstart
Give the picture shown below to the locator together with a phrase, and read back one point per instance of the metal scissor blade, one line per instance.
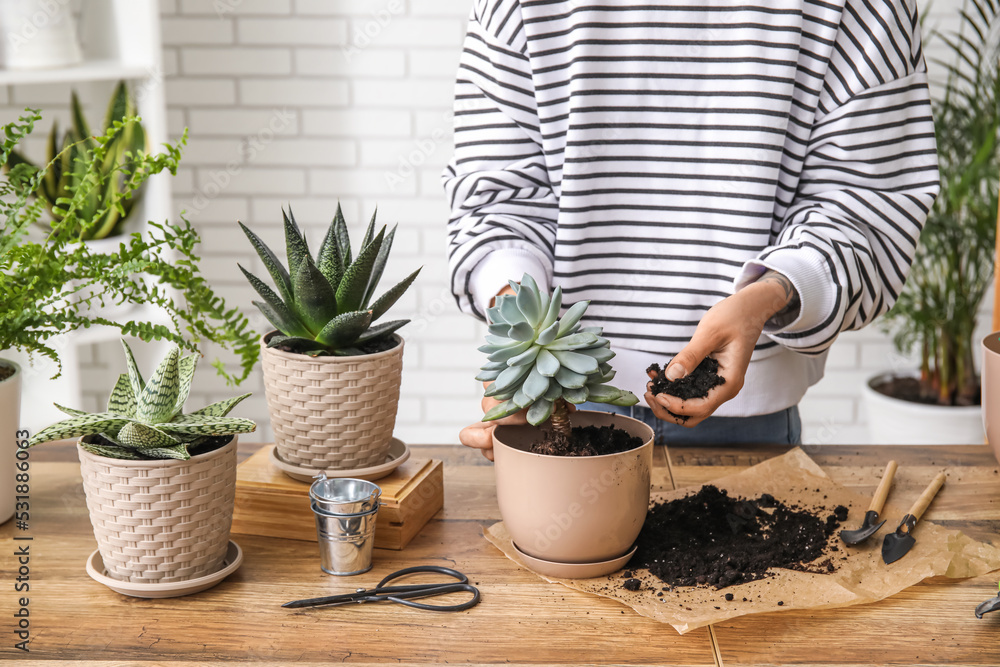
(327, 601)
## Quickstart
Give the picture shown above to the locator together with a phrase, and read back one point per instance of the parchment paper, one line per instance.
(861, 576)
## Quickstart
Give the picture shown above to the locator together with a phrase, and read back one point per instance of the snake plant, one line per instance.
(68, 167)
(144, 420)
(325, 305)
(540, 362)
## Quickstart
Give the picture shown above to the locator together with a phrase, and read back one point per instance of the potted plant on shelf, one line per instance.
(578, 492)
(160, 483)
(937, 311)
(49, 281)
(331, 375)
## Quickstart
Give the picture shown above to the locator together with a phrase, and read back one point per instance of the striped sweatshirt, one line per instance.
(653, 157)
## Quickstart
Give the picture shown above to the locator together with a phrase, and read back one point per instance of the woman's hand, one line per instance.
(728, 331)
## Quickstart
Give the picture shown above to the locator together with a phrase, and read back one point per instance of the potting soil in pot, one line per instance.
(712, 538)
(587, 441)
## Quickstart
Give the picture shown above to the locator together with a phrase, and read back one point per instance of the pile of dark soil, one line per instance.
(373, 347)
(696, 384)
(713, 539)
(5, 371)
(913, 390)
(587, 441)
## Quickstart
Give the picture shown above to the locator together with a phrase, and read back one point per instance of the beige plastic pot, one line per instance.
(10, 410)
(332, 413)
(991, 390)
(161, 521)
(583, 509)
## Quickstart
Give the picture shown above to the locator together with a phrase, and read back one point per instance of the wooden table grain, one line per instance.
(522, 620)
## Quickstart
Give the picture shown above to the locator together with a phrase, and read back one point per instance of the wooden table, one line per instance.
(522, 620)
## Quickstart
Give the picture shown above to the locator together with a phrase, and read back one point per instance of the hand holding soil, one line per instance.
(728, 332)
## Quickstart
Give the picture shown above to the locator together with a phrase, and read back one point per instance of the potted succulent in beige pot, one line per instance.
(573, 486)
(331, 374)
(160, 483)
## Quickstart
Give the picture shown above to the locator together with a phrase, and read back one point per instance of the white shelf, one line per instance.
(95, 70)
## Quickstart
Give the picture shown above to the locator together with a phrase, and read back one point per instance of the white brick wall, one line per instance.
(305, 101)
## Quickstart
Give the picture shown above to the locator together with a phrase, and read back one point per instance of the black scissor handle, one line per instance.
(405, 598)
(423, 569)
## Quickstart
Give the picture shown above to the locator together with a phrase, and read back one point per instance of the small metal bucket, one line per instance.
(346, 538)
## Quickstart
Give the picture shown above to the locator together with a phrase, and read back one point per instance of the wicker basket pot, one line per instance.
(161, 521)
(332, 413)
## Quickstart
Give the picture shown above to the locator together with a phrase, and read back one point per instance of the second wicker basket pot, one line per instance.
(332, 412)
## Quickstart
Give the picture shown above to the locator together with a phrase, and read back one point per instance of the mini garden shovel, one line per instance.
(990, 605)
(871, 524)
(898, 543)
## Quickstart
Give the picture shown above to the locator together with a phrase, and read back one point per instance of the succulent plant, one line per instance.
(67, 166)
(540, 362)
(325, 305)
(144, 420)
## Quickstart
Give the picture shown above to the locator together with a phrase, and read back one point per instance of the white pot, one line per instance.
(37, 34)
(892, 421)
(10, 408)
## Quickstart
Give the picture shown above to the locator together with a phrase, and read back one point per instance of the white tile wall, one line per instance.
(305, 101)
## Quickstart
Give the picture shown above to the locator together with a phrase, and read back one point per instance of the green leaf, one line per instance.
(204, 425)
(379, 267)
(573, 342)
(179, 452)
(297, 344)
(548, 334)
(330, 261)
(351, 291)
(576, 395)
(572, 316)
(134, 377)
(547, 364)
(535, 385)
(603, 393)
(80, 126)
(509, 310)
(72, 412)
(386, 301)
(221, 408)
(111, 451)
(343, 238)
(539, 412)
(296, 248)
(506, 353)
(525, 357)
(156, 402)
(87, 424)
(370, 232)
(122, 400)
(487, 376)
(522, 331)
(380, 331)
(570, 379)
(509, 379)
(185, 367)
(529, 302)
(279, 274)
(576, 362)
(315, 299)
(138, 435)
(552, 313)
(344, 329)
(501, 410)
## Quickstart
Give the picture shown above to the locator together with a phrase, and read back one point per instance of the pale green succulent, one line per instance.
(536, 359)
(144, 420)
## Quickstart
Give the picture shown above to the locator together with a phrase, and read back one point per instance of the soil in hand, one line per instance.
(586, 441)
(709, 538)
(696, 384)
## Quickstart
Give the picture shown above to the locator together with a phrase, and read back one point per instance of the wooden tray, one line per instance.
(272, 504)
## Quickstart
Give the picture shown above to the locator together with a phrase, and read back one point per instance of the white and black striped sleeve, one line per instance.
(503, 211)
(868, 180)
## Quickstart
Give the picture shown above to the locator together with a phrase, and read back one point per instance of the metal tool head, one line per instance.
(898, 543)
(869, 527)
(992, 604)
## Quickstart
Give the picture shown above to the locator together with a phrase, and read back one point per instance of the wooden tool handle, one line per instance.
(882, 492)
(927, 496)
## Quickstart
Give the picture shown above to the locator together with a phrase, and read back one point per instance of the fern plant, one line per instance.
(327, 306)
(540, 362)
(66, 153)
(937, 310)
(145, 420)
(49, 281)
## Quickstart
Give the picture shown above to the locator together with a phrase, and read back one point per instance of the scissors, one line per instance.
(405, 595)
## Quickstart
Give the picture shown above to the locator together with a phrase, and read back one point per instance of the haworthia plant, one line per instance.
(539, 361)
(324, 306)
(145, 420)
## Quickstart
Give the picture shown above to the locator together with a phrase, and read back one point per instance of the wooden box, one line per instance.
(272, 504)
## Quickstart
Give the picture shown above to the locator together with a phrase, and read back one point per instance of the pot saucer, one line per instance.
(551, 568)
(173, 589)
(399, 452)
